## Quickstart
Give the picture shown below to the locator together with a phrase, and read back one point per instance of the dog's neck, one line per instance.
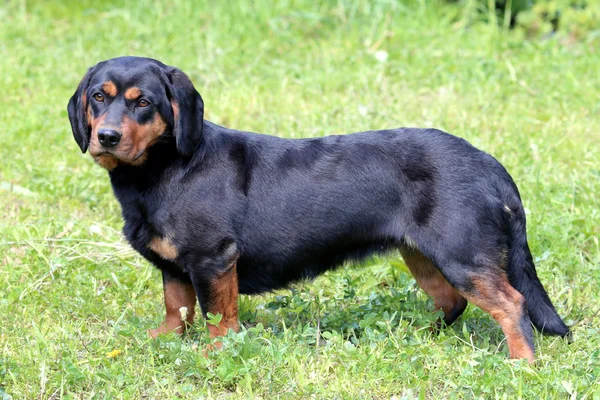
(159, 158)
(163, 162)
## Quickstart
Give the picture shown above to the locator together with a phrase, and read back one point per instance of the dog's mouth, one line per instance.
(100, 153)
(113, 158)
(119, 155)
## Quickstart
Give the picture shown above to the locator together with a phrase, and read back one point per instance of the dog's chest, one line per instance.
(147, 215)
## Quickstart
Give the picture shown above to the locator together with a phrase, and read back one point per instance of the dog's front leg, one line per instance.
(180, 300)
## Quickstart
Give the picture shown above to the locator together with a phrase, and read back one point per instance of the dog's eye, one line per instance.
(99, 97)
(143, 103)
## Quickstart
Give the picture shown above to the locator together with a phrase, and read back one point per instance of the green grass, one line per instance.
(72, 291)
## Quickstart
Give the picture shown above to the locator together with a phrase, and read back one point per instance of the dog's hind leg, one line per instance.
(430, 279)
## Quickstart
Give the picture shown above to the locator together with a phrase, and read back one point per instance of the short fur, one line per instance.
(223, 212)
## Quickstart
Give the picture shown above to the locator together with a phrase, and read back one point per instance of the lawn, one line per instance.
(76, 301)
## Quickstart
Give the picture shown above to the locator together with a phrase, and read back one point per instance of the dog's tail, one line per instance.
(523, 277)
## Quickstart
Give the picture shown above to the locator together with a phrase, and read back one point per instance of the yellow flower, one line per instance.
(114, 353)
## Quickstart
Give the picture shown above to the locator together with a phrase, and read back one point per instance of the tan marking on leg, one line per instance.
(180, 300)
(506, 305)
(224, 300)
(109, 88)
(132, 93)
(431, 280)
(164, 248)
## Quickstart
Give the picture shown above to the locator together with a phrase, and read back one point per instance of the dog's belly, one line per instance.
(276, 266)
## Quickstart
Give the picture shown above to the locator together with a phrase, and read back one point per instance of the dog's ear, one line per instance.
(188, 111)
(78, 115)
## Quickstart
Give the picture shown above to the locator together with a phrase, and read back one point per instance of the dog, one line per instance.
(222, 212)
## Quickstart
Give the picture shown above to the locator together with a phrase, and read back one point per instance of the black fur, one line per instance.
(292, 209)
(523, 277)
(188, 126)
(76, 109)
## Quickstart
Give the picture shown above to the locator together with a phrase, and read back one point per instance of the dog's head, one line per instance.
(125, 105)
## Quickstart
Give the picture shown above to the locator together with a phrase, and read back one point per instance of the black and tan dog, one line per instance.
(223, 212)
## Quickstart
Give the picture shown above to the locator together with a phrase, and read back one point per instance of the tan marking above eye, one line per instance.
(132, 93)
(109, 88)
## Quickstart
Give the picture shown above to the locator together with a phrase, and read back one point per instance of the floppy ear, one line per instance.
(77, 109)
(188, 111)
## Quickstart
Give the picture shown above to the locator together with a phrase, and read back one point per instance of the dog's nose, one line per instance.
(108, 138)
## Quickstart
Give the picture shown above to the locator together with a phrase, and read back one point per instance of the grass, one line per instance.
(75, 301)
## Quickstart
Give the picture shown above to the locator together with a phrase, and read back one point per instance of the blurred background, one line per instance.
(518, 79)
